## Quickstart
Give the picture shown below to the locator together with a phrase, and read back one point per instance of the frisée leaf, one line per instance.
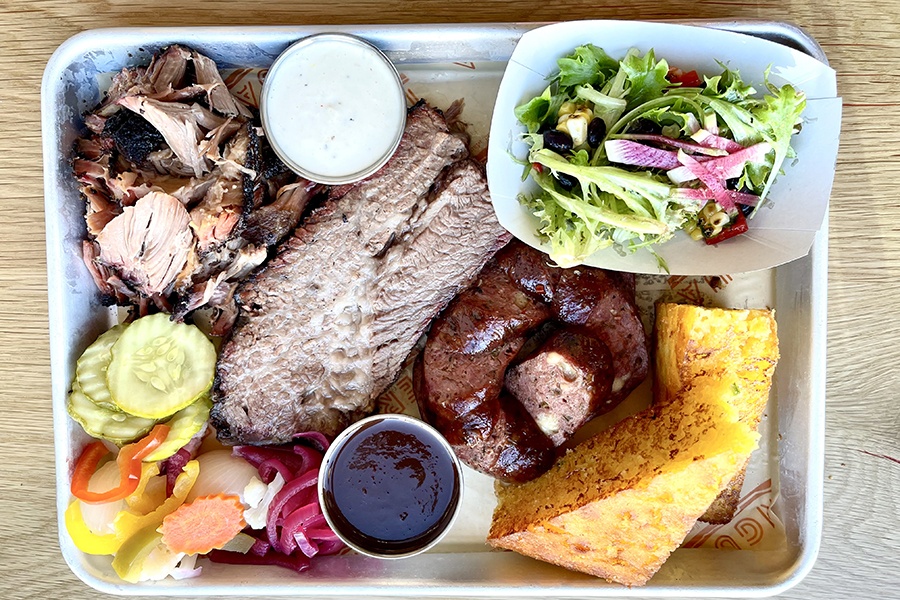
(587, 65)
(615, 206)
(728, 86)
(647, 77)
(606, 107)
(779, 115)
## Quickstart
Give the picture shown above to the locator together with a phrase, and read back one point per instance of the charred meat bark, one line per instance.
(135, 138)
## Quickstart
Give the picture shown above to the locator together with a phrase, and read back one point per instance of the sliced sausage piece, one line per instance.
(596, 301)
(564, 383)
(458, 379)
(529, 270)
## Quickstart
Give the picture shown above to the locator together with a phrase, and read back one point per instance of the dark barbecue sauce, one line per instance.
(392, 488)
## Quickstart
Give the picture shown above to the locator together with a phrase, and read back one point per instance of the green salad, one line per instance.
(628, 152)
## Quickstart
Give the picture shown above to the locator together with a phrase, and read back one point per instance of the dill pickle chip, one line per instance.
(103, 423)
(159, 366)
(90, 370)
(183, 425)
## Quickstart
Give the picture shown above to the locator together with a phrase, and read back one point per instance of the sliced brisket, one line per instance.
(325, 325)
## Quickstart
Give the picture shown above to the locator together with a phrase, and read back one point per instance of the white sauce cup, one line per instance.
(333, 108)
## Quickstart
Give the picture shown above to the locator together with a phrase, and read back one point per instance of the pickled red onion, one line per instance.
(295, 528)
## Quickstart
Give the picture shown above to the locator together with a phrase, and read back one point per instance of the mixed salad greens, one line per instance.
(628, 152)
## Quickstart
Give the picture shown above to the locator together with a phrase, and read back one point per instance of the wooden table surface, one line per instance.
(860, 554)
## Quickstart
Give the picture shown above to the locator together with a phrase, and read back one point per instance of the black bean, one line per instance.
(732, 184)
(644, 126)
(567, 182)
(596, 132)
(558, 141)
(747, 210)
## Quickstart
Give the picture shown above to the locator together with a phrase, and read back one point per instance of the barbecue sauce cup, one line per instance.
(390, 486)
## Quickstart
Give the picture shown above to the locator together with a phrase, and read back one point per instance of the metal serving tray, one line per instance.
(794, 446)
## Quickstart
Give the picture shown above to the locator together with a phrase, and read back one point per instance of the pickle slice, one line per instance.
(100, 422)
(159, 366)
(90, 370)
(183, 425)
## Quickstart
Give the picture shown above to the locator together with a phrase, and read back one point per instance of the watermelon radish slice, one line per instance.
(628, 152)
(673, 143)
(704, 195)
(724, 167)
(708, 139)
(711, 181)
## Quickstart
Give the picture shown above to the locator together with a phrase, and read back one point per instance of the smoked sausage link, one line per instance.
(459, 376)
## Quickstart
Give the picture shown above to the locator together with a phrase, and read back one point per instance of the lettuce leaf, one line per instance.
(646, 76)
(587, 65)
(728, 86)
(532, 113)
(617, 207)
(778, 115)
(606, 107)
(682, 116)
(738, 120)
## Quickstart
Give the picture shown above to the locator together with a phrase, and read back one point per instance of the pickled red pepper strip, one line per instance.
(129, 461)
(97, 543)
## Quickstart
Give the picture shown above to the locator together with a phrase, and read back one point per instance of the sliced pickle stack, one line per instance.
(136, 375)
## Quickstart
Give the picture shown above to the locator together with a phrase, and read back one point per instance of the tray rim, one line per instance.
(810, 536)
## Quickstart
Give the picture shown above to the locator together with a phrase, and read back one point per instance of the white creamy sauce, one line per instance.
(334, 108)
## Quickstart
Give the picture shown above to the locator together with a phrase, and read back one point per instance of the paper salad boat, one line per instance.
(781, 231)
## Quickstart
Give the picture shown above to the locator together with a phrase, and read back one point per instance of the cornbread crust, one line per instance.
(619, 503)
(692, 341)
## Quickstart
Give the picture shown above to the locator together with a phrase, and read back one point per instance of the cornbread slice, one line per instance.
(619, 503)
(693, 340)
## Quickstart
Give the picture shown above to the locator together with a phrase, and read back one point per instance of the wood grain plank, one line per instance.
(860, 544)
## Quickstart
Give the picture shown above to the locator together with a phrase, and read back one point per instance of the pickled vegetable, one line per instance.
(183, 425)
(144, 557)
(159, 367)
(129, 463)
(86, 540)
(90, 370)
(205, 524)
(101, 422)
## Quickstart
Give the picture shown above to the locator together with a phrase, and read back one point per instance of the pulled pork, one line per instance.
(183, 195)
